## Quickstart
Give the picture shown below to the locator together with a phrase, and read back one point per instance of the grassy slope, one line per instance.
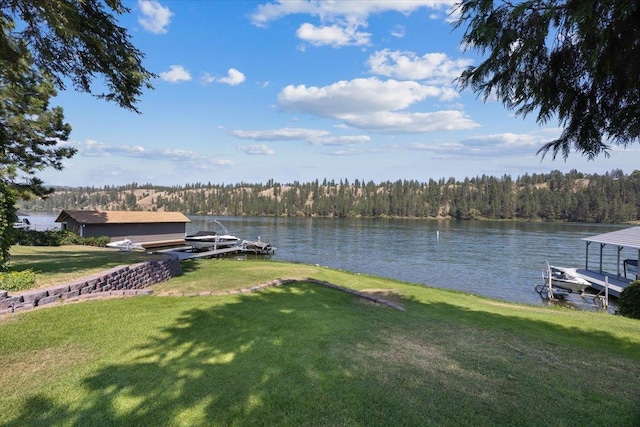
(307, 355)
(57, 264)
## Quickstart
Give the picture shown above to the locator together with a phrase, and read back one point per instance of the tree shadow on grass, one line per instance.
(307, 355)
(190, 266)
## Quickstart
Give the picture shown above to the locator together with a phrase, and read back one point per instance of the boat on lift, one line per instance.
(22, 224)
(565, 278)
(211, 239)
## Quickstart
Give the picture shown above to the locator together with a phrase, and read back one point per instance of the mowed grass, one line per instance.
(303, 354)
(59, 264)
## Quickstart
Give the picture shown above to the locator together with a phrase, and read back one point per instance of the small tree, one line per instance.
(29, 130)
(29, 136)
(43, 44)
(629, 301)
(7, 215)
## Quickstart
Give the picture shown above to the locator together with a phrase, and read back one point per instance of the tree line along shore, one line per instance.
(556, 196)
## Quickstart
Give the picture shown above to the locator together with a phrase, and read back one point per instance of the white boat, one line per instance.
(126, 245)
(22, 224)
(210, 239)
(565, 278)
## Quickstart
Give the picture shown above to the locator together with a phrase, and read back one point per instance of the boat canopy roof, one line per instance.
(626, 238)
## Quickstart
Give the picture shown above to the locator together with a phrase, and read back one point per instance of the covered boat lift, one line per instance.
(628, 238)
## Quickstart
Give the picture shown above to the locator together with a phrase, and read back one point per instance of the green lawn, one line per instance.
(58, 264)
(303, 354)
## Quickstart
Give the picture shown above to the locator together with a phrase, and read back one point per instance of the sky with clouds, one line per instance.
(296, 90)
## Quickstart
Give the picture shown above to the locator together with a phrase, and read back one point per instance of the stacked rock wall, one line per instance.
(121, 280)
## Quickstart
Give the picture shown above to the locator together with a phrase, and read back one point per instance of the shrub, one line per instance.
(100, 241)
(629, 301)
(57, 238)
(37, 238)
(69, 238)
(17, 280)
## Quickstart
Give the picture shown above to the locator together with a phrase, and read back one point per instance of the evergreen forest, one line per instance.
(556, 196)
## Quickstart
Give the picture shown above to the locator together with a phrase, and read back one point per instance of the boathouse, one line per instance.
(625, 242)
(152, 229)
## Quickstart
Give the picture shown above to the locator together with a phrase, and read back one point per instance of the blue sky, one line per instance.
(301, 90)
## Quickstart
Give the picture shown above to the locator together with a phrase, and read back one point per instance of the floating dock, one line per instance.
(186, 252)
(214, 253)
(599, 281)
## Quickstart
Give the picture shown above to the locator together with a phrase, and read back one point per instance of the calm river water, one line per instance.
(496, 259)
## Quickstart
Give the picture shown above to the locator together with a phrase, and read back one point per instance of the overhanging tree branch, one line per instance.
(80, 40)
(577, 60)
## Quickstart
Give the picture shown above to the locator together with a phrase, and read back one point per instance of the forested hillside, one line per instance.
(556, 196)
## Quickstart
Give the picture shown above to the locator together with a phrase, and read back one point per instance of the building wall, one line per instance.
(139, 233)
(71, 225)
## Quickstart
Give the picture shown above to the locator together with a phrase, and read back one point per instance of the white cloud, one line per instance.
(491, 146)
(92, 148)
(435, 68)
(257, 150)
(155, 17)
(284, 134)
(311, 136)
(392, 122)
(332, 35)
(268, 12)
(345, 152)
(176, 74)
(234, 77)
(399, 31)
(341, 140)
(375, 105)
(207, 78)
(340, 21)
(343, 9)
(355, 96)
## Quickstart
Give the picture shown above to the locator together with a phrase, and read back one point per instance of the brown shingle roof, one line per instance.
(121, 217)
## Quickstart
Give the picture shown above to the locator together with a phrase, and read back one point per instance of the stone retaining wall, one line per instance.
(121, 280)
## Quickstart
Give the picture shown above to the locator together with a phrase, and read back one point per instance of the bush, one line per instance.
(37, 238)
(17, 280)
(100, 241)
(629, 301)
(69, 238)
(57, 238)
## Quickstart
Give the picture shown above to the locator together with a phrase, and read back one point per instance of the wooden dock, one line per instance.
(183, 253)
(597, 280)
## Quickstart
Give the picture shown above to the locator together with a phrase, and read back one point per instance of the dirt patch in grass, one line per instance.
(407, 351)
(36, 365)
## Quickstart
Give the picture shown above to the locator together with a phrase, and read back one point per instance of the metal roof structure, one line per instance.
(626, 238)
(620, 239)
